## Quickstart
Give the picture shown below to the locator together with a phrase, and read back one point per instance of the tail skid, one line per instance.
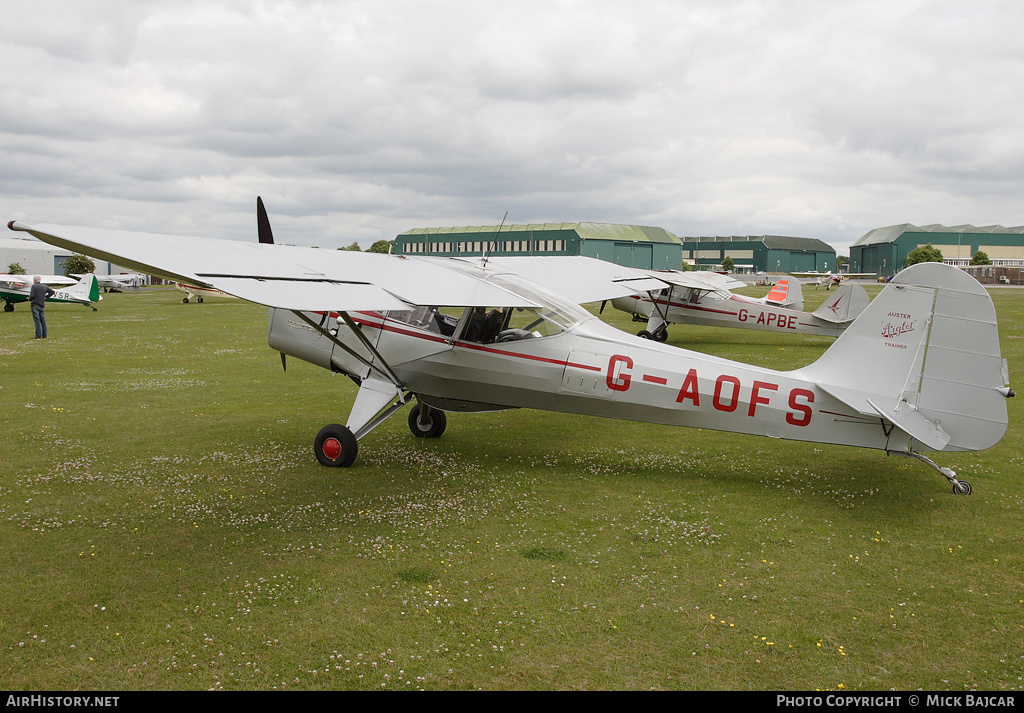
(924, 357)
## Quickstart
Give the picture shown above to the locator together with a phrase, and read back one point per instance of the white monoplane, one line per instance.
(118, 283)
(828, 280)
(15, 288)
(706, 298)
(197, 292)
(920, 369)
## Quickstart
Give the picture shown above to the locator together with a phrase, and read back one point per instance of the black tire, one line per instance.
(661, 335)
(963, 488)
(8, 307)
(644, 334)
(335, 446)
(437, 422)
(199, 300)
(184, 301)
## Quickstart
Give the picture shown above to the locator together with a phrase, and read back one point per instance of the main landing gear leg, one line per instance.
(960, 487)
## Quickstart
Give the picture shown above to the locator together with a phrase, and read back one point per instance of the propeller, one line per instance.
(263, 223)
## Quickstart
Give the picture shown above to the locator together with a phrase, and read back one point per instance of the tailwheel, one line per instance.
(335, 446)
(426, 422)
(960, 487)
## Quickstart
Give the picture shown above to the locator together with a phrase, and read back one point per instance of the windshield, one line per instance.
(552, 316)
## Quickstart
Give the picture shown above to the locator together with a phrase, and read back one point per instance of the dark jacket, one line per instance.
(38, 293)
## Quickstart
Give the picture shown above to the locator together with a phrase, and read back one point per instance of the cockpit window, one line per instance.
(552, 316)
(432, 319)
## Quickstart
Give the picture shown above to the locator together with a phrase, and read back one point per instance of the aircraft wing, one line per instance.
(288, 277)
(576, 278)
(698, 280)
(51, 280)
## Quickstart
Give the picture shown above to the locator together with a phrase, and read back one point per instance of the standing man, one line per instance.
(37, 297)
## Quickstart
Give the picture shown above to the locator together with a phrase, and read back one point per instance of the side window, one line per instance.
(432, 319)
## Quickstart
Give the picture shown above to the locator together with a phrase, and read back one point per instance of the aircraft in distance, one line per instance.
(196, 292)
(706, 298)
(15, 288)
(118, 283)
(919, 370)
(828, 280)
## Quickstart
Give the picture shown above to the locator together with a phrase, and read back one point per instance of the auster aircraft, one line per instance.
(828, 280)
(15, 288)
(195, 292)
(919, 370)
(706, 298)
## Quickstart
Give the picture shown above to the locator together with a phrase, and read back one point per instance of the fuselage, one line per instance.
(594, 369)
(718, 310)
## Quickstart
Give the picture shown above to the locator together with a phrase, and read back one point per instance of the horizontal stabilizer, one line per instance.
(910, 420)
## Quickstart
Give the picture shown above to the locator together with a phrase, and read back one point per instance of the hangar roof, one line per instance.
(586, 231)
(891, 233)
(772, 242)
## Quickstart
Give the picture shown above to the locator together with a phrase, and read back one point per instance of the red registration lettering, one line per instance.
(804, 419)
(689, 390)
(618, 381)
(756, 398)
(734, 401)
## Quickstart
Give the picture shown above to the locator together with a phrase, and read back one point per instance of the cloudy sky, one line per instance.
(358, 120)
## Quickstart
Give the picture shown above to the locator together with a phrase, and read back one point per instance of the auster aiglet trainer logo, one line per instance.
(898, 324)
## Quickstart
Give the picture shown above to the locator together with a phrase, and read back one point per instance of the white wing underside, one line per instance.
(311, 279)
(698, 280)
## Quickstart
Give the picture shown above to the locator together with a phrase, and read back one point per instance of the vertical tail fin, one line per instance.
(88, 288)
(924, 356)
(786, 293)
(844, 305)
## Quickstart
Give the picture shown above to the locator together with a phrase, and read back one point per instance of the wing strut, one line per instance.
(378, 364)
(657, 323)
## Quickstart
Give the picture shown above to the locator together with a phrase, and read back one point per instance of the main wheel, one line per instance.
(8, 307)
(644, 334)
(335, 446)
(184, 300)
(430, 427)
(661, 335)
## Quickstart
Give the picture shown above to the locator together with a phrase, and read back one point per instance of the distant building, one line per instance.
(39, 258)
(630, 245)
(765, 253)
(884, 250)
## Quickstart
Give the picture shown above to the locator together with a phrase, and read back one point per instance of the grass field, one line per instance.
(164, 525)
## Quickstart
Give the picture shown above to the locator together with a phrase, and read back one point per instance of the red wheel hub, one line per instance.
(332, 448)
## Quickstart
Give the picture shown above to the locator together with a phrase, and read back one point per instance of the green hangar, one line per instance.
(630, 245)
(766, 253)
(884, 250)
